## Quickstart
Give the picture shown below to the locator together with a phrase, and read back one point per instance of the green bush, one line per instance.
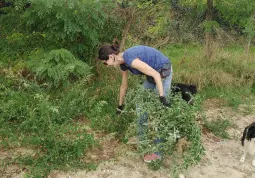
(58, 67)
(168, 124)
(34, 109)
(79, 26)
(76, 25)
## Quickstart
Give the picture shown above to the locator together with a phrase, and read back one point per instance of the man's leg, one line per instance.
(143, 117)
(167, 83)
(142, 123)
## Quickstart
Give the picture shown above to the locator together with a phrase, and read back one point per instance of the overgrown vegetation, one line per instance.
(31, 117)
(50, 82)
(165, 126)
(58, 67)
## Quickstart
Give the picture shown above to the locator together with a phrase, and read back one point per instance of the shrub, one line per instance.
(75, 25)
(58, 67)
(168, 124)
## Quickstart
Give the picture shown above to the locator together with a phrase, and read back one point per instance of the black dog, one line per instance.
(187, 91)
(248, 142)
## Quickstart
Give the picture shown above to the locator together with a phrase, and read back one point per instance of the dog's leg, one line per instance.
(243, 141)
(243, 157)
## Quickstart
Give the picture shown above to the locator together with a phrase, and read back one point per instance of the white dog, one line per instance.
(248, 142)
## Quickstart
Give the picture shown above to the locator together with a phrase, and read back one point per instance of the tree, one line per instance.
(208, 35)
(229, 15)
(250, 31)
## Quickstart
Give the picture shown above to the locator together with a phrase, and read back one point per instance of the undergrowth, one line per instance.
(164, 127)
(42, 118)
(30, 117)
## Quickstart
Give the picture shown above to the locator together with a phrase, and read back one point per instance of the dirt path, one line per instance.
(221, 159)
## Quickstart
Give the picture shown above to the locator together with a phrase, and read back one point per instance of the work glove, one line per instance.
(164, 101)
(119, 109)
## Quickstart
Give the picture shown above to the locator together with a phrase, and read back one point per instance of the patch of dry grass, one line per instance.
(227, 69)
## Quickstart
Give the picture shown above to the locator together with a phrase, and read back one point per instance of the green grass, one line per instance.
(230, 75)
(177, 52)
(233, 96)
(31, 118)
(219, 127)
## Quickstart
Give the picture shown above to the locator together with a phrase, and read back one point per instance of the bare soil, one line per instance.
(118, 160)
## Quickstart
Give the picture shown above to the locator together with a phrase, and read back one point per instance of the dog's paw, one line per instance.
(243, 159)
(253, 163)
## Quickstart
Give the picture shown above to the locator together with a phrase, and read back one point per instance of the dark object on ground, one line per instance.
(187, 91)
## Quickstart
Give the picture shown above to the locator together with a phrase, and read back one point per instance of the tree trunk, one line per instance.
(126, 29)
(208, 34)
(247, 50)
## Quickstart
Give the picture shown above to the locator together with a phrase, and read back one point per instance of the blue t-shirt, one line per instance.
(151, 56)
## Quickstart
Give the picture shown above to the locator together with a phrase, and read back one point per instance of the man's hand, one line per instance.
(119, 109)
(164, 101)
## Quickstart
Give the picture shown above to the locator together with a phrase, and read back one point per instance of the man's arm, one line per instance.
(123, 87)
(147, 70)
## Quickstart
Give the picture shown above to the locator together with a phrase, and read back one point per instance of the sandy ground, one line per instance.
(221, 159)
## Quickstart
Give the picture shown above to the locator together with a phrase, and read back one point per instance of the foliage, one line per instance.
(58, 67)
(209, 26)
(230, 16)
(235, 12)
(103, 88)
(219, 127)
(74, 24)
(46, 119)
(250, 28)
(38, 103)
(165, 125)
(61, 148)
(228, 12)
(151, 21)
(30, 117)
(20, 44)
(148, 19)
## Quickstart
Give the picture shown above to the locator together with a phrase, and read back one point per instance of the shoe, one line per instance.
(151, 157)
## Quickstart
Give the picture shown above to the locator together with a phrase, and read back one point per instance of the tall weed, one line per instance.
(165, 124)
(58, 67)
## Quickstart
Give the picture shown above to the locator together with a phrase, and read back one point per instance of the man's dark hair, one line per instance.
(106, 50)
